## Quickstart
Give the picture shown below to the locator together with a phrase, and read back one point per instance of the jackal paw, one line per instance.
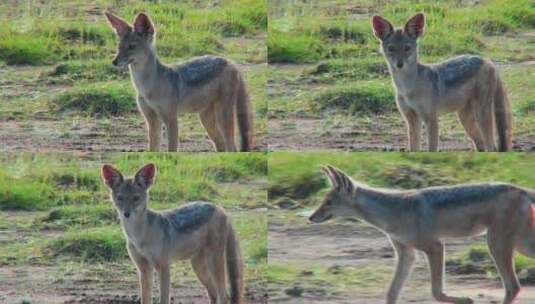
(464, 301)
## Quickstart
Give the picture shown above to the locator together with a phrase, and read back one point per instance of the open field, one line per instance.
(348, 261)
(59, 90)
(329, 86)
(61, 242)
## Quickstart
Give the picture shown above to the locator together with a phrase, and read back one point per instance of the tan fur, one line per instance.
(421, 220)
(424, 93)
(163, 94)
(154, 242)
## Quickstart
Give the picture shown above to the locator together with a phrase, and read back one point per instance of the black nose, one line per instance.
(399, 64)
(127, 214)
(114, 62)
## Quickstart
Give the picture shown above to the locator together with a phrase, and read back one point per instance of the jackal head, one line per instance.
(135, 41)
(399, 47)
(130, 196)
(338, 201)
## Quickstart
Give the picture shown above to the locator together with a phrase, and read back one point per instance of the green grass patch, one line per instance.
(105, 244)
(400, 170)
(83, 215)
(20, 194)
(26, 49)
(293, 48)
(100, 99)
(362, 98)
(354, 69)
(95, 70)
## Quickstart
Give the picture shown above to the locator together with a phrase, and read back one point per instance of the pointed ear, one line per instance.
(145, 176)
(111, 176)
(415, 26)
(382, 28)
(343, 180)
(143, 25)
(121, 27)
(332, 178)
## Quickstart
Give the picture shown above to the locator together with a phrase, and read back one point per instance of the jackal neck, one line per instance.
(135, 227)
(379, 207)
(145, 74)
(405, 80)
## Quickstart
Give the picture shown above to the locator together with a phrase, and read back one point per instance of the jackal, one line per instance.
(469, 85)
(198, 231)
(421, 219)
(210, 85)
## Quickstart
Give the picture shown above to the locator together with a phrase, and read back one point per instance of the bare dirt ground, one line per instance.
(383, 133)
(357, 246)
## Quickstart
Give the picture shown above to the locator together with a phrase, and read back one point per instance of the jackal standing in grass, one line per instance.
(210, 85)
(421, 219)
(198, 231)
(468, 85)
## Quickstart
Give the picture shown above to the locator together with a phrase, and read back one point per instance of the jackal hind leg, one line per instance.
(216, 268)
(209, 122)
(501, 249)
(468, 120)
(435, 257)
(224, 116)
(154, 124)
(484, 117)
(199, 264)
(405, 259)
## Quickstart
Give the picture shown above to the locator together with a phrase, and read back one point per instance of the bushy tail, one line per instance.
(234, 268)
(245, 117)
(504, 118)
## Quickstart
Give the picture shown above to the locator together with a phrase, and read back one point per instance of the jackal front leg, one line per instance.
(405, 256)
(414, 126)
(145, 274)
(435, 256)
(153, 122)
(165, 283)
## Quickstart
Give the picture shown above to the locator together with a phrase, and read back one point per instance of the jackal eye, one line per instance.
(407, 48)
(136, 198)
(391, 49)
(120, 197)
(131, 46)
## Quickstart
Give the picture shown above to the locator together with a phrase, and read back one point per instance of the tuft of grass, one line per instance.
(286, 47)
(298, 186)
(362, 98)
(95, 70)
(26, 49)
(105, 244)
(18, 194)
(101, 99)
(84, 215)
(354, 69)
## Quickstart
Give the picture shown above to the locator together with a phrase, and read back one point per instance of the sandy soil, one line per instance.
(359, 245)
(383, 133)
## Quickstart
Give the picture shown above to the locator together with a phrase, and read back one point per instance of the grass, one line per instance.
(363, 98)
(98, 99)
(104, 244)
(290, 171)
(451, 29)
